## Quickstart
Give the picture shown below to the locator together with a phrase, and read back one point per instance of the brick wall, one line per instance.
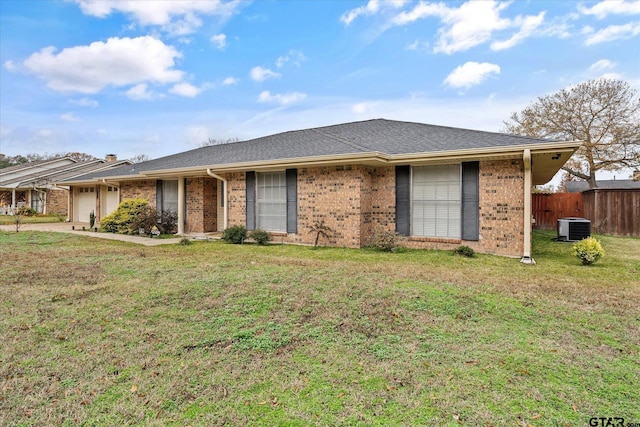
(201, 194)
(378, 202)
(332, 195)
(58, 202)
(143, 189)
(236, 194)
(502, 207)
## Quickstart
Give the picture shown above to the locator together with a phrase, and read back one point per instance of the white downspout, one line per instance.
(181, 207)
(224, 195)
(526, 257)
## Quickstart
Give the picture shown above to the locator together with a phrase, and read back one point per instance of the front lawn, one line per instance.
(37, 219)
(98, 332)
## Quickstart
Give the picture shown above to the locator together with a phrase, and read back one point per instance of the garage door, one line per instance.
(113, 199)
(86, 203)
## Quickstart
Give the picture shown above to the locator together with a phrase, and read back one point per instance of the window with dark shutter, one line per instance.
(403, 197)
(435, 201)
(292, 200)
(250, 199)
(470, 201)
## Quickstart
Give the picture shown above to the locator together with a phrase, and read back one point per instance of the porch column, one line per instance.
(181, 205)
(526, 256)
(13, 201)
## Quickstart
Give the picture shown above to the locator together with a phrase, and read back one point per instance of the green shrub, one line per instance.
(129, 216)
(184, 241)
(168, 222)
(385, 240)
(236, 234)
(25, 211)
(260, 236)
(92, 219)
(588, 250)
(464, 251)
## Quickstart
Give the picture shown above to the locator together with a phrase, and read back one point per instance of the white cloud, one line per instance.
(471, 24)
(609, 7)
(471, 74)
(527, 25)
(9, 65)
(601, 65)
(230, 81)
(69, 117)
(175, 17)
(296, 57)
(116, 62)
(219, 40)
(417, 45)
(84, 102)
(282, 99)
(363, 108)
(185, 89)
(614, 32)
(139, 93)
(260, 74)
(371, 8)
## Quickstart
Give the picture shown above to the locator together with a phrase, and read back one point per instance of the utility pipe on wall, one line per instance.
(526, 257)
(224, 195)
(181, 206)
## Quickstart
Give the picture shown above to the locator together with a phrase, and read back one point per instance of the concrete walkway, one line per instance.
(68, 227)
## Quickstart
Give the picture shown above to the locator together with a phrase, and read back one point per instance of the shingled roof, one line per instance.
(383, 136)
(610, 184)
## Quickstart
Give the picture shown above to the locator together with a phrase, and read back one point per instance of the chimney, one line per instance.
(636, 175)
(111, 158)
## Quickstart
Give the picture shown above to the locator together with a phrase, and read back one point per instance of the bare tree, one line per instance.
(603, 113)
(213, 141)
(139, 158)
(77, 156)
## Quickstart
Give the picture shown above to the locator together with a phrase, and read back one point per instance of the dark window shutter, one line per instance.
(403, 195)
(159, 195)
(470, 201)
(251, 200)
(292, 200)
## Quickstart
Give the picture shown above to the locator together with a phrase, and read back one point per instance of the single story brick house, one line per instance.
(34, 184)
(440, 186)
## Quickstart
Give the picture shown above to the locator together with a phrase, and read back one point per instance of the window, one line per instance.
(271, 206)
(436, 201)
(167, 195)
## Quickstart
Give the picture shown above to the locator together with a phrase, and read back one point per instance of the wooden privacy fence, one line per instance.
(615, 212)
(548, 208)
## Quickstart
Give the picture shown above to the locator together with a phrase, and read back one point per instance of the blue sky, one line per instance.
(156, 78)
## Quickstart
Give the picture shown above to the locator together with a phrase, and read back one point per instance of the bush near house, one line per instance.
(236, 234)
(588, 250)
(133, 215)
(260, 236)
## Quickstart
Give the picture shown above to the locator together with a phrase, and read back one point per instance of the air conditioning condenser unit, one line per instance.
(573, 229)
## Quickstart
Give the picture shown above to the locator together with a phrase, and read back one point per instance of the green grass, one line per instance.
(98, 332)
(39, 219)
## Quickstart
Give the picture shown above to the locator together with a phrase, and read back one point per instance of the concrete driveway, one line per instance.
(76, 228)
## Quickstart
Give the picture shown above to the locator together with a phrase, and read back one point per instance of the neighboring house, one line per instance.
(613, 184)
(440, 186)
(36, 184)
